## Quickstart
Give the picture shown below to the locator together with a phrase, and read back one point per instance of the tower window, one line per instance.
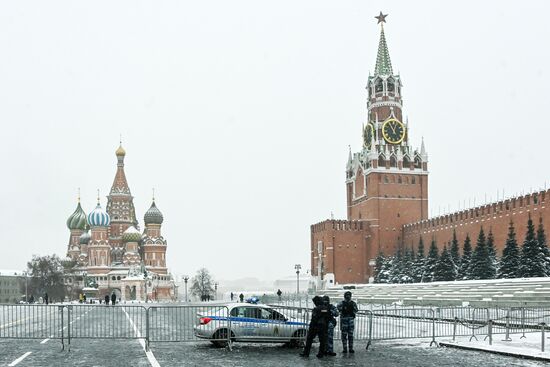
(413, 180)
(393, 161)
(379, 86)
(399, 180)
(406, 162)
(391, 85)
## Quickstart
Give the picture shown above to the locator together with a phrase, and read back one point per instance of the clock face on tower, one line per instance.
(368, 134)
(393, 131)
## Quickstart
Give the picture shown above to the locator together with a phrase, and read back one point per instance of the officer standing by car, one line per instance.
(331, 325)
(317, 327)
(348, 310)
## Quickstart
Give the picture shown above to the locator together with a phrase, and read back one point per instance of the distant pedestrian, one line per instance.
(84, 298)
(317, 327)
(331, 325)
(113, 299)
(80, 298)
(348, 310)
(279, 294)
(107, 299)
(31, 298)
(46, 299)
(232, 295)
(241, 297)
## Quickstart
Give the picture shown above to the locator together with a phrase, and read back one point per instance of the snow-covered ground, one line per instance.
(529, 345)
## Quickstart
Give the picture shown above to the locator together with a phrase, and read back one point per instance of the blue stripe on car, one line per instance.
(257, 321)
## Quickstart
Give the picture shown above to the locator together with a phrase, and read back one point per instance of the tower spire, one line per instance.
(383, 61)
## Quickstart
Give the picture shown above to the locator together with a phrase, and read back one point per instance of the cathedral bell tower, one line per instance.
(387, 180)
(120, 207)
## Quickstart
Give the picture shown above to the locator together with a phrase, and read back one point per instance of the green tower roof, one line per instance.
(383, 61)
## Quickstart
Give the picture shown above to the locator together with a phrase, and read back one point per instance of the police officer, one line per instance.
(348, 310)
(331, 325)
(317, 327)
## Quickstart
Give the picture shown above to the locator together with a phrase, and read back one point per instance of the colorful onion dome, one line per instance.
(85, 238)
(98, 217)
(153, 215)
(77, 220)
(120, 152)
(131, 235)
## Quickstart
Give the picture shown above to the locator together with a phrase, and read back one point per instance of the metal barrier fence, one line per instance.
(223, 324)
(177, 324)
(32, 322)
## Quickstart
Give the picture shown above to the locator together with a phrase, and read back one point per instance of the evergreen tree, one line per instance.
(492, 252)
(541, 239)
(445, 269)
(431, 262)
(509, 263)
(418, 267)
(532, 259)
(380, 259)
(397, 267)
(454, 251)
(407, 266)
(481, 263)
(384, 275)
(466, 259)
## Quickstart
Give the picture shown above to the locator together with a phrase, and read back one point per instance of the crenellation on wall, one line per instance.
(495, 217)
(484, 212)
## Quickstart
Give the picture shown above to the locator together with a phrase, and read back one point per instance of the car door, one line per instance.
(241, 328)
(273, 325)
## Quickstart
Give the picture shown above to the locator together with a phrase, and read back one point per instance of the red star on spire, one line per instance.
(381, 18)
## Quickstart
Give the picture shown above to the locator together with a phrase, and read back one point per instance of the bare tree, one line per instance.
(46, 274)
(202, 284)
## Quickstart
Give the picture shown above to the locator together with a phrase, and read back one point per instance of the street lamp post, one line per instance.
(216, 291)
(26, 289)
(298, 267)
(185, 279)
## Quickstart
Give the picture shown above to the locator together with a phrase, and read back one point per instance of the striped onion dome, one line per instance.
(85, 238)
(131, 235)
(153, 215)
(98, 217)
(77, 220)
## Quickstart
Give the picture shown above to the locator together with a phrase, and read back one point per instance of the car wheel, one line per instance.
(221, 336)
(298, 338)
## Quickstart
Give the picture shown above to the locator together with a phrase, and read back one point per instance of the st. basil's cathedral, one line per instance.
(112, 255)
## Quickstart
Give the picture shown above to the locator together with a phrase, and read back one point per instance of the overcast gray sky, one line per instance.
(239, 113)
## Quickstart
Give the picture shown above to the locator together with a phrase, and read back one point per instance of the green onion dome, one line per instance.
(77, 220)
(153, 215)
(131, 235)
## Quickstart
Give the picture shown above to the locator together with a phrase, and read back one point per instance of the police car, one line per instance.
(249, 322)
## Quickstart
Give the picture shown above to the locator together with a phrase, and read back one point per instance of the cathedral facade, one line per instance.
(387, 194)
(112, 255)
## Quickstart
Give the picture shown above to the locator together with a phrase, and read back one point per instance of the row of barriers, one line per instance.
(224, 324)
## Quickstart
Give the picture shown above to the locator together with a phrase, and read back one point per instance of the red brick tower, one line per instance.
(386, 185)
(387, 181)
(154, 245)
(120, 207)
